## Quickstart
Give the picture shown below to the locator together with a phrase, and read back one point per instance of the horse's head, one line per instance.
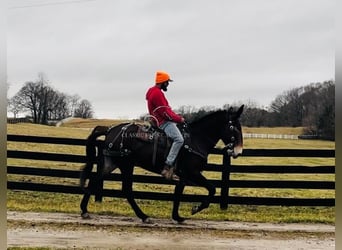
(232, 133)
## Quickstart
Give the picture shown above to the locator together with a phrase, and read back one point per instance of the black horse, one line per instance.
(129, 144)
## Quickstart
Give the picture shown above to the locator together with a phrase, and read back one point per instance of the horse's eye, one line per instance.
(231, 127)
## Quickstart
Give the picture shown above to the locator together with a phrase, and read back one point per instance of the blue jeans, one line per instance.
(171, 130)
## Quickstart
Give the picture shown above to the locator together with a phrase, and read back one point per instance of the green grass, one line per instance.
(54, 202)
(68, 203)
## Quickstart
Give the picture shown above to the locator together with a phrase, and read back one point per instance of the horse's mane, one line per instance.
(206, 116)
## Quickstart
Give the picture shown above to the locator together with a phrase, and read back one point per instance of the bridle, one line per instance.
(229, 147)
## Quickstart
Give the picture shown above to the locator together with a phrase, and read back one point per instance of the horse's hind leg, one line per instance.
(203, 182)
(92, 188)
(127, 182)
(85, 200)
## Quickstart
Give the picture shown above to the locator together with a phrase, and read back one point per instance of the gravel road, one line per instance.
(69, 231)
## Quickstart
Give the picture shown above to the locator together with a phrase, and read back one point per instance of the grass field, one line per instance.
(80, 128)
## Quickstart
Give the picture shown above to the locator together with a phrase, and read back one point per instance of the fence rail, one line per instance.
(270, 136)
(225, 183)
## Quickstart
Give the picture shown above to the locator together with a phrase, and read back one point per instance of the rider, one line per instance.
(167, 120)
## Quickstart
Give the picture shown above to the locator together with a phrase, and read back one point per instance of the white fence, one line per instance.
(270, 136)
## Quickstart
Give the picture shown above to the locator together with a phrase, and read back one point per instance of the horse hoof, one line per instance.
(85, 216)
(180, 220)
(147, 221)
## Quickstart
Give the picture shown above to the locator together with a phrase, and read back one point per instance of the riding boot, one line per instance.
(169, 173)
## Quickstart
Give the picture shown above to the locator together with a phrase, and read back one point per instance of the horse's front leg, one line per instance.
(127, 182)
(203, 182)
(179, 188)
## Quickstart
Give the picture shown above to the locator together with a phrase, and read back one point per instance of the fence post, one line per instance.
(99, 173)
(225, 179)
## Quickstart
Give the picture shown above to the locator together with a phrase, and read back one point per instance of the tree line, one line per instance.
(311, 106)
(44, 103)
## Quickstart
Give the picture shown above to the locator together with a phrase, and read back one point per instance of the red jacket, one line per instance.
(159, 107)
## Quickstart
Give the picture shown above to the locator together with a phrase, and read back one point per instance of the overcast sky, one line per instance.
(217, 51)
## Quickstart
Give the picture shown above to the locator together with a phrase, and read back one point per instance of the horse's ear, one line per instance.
(240, 110)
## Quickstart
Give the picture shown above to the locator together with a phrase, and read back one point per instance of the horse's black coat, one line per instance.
(129, 151)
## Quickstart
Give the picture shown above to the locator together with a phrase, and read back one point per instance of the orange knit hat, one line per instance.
(162, 76)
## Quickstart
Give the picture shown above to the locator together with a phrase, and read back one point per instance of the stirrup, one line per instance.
(175, 177)
(168, 173)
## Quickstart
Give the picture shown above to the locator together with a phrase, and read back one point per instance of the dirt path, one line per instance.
(69, 231)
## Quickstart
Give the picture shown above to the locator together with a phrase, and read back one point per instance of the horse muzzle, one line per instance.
(236, 152)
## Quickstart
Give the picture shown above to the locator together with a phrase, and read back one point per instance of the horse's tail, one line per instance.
(91, 152)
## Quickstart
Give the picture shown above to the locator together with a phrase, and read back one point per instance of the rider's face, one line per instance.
(164, 86)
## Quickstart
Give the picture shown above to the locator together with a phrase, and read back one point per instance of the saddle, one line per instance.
(155, 135)
(151, 133)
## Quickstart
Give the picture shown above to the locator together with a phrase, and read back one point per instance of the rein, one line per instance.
(191, 150)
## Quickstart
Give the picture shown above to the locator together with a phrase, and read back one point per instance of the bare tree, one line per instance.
(40, 99)
(58, 106)
(14, 106)
(73, 101)
(28, 99)
(187, 111)
(84, 109)
(326, 119)
(278, 103)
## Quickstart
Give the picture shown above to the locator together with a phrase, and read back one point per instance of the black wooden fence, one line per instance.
(225, 183)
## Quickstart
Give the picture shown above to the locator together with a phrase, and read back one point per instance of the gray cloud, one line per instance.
(217, 51)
